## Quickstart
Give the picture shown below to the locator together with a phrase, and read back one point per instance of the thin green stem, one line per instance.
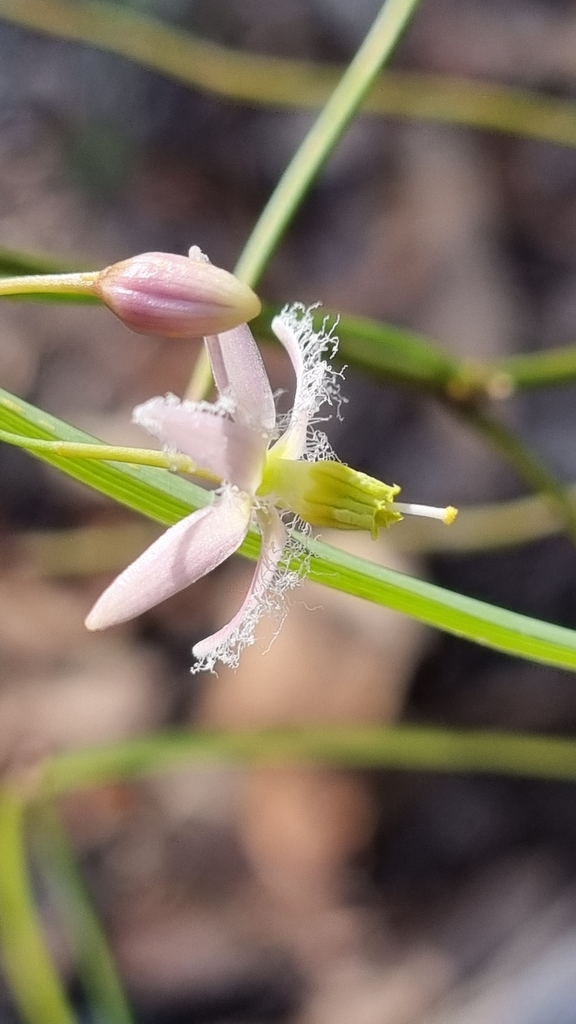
(403, 747)
(320, 141)
(30, 973)
(57, 284)
(95, 963)
(173, 461)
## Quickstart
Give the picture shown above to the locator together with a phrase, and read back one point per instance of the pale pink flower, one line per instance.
(268, 466)
(235, 440)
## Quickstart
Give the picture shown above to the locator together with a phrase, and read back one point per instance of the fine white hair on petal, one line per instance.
(273, 577)
(317, 382)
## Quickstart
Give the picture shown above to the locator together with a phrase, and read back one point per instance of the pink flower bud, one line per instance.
(175, 296)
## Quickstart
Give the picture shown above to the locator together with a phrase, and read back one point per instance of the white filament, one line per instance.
(445, 515)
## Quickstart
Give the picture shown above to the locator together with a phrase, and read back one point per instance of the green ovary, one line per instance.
(329, 494)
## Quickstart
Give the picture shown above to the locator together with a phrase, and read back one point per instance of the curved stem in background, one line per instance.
(261, 80)
(275, 81)
(404, 747)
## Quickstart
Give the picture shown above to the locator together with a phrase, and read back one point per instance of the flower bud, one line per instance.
(175, 296)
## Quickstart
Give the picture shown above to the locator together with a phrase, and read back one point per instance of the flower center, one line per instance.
(330, 494)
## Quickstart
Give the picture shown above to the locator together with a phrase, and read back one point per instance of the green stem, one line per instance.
(28, 967)
(320, 141)
(538, 369)
(57, 284)
(173, 461)
(95, 964)
(403, 747)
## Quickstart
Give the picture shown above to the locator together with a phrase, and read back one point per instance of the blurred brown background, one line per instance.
(301, 895)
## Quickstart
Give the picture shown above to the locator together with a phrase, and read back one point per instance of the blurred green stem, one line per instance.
(30, 974)
(403, 747)
(94, 961)
(322, 137)
(550, 367)
(261, 80)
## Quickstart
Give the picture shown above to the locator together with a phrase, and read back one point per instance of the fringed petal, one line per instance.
(292, 444)
(317, 383)
(227, 644)
(187, 551)
(240, 375)
(229, 451)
